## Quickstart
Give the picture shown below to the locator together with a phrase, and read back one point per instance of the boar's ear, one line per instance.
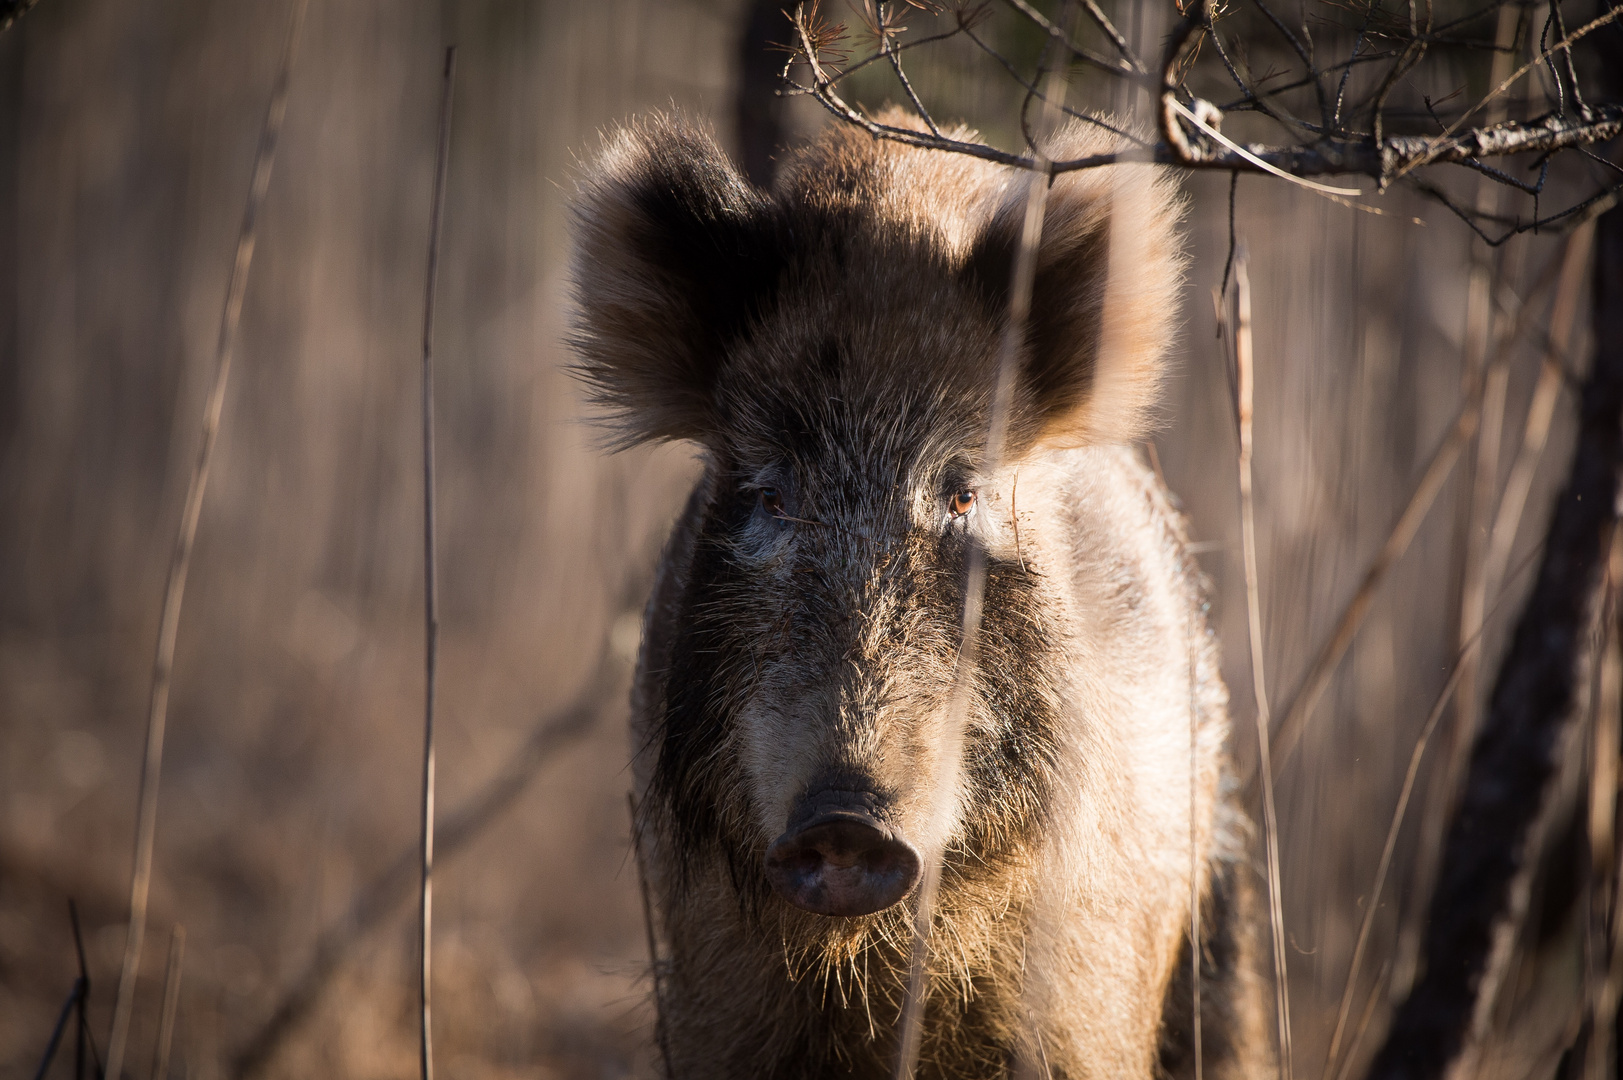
(675, 253)
(1103, 305)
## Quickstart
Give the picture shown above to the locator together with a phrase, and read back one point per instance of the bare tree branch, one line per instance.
(1350, 137)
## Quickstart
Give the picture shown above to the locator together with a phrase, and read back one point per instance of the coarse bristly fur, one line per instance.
(831, 348)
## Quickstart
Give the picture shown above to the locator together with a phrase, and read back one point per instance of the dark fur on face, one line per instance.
(831, 348)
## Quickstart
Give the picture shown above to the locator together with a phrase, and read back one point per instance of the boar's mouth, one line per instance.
(836, 858)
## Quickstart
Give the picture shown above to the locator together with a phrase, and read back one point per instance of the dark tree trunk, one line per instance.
(760, 109)
(1491, 841)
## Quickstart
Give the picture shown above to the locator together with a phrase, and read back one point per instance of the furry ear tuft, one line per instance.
(1104, 298)
(675, 255)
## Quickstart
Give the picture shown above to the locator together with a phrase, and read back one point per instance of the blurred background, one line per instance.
(292, 771)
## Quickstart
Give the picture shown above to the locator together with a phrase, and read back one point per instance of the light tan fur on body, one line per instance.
(831, 348)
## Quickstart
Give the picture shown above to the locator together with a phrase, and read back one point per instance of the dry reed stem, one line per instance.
(452, 833)
(944, 801)
(431, 623)
(656, 972)
(1390, 846)
(1541, 411)
(1364, 1019)
(1194, 844)
(1244, 378)
(1438, 469)
(171, 1004)
(168, 627)
(1604, 965)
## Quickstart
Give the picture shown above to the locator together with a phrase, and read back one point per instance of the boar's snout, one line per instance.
(836, 858)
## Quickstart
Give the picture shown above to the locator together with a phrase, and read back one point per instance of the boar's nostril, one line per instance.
(842, 862)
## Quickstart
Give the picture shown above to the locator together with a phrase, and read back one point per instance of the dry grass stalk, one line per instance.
(425, 920)
(163, 665)
(911, 1026)
(171, 1004)
(1245, 380)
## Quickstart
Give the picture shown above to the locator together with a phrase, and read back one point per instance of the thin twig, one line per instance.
(1124, 68)
(171, 1004)
(1384, 159)
(85, 1040)
(912, 95)
(56, 1032)
(945, 789)
(1228, 263)
(431, 623)
(1246, 155)
(163, 664)
(1244, 369)
(1333, 146)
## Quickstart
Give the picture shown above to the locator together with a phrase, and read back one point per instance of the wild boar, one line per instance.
(830, 347)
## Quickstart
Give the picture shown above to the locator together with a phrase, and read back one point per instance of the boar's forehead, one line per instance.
(871, 360)
(843, 451)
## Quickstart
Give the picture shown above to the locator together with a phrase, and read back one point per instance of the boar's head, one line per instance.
(831, 347)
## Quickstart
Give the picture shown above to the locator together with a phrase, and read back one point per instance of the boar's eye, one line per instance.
(961, 504)
(772, 501)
